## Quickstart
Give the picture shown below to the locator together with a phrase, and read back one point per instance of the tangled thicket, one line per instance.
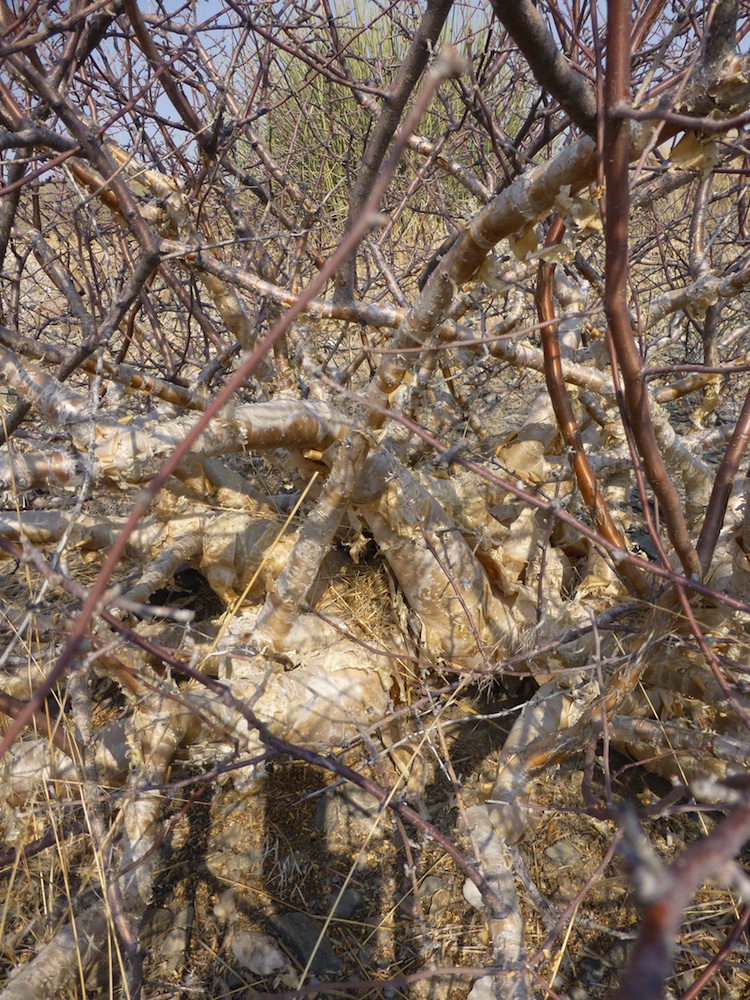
(412, 344)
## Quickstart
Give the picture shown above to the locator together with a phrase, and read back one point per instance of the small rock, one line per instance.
(439, 904)
(301, 934)
(617, 956)
(494, 988)
(225, 907)
(593, 970)
(429, 886)
(177, 938)
(259, 953)
(408, 908)
(155, 923)
(351, 901)
(577, 993)
(472, 895)
(563, 853)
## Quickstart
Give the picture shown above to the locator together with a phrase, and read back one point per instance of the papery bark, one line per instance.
(443, 582)
(132, 453)
(278, 620)
(506, 926)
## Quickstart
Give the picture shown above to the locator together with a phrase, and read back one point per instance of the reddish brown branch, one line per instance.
(566, 419)
(645, 21)
(722, 487)
(710, 657)
(616, 157)
(651, 962)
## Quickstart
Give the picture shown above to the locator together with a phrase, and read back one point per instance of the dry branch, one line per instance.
(168, 187)
(666, 892)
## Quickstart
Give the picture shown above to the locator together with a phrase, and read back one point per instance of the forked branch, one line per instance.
(566, 420)
(617, 142)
